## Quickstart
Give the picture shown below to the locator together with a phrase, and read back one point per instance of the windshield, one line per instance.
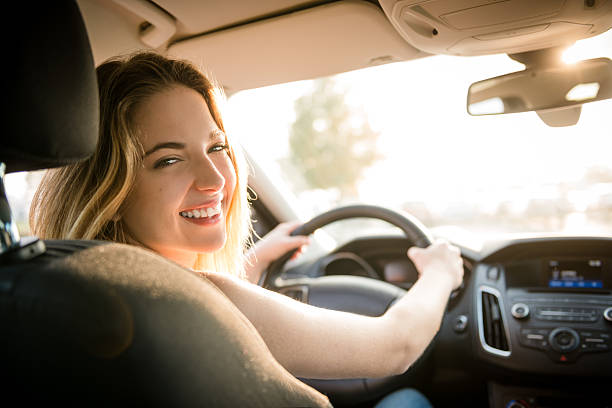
(399, 136)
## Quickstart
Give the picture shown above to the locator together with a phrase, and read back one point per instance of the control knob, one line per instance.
(564, 339)
(519, 310)
(607, 314)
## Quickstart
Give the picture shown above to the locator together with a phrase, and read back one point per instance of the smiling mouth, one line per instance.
(202, 212)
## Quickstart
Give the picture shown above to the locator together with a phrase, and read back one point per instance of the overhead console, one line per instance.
(477, 27)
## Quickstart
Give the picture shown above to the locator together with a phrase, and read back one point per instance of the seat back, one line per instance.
(101, 324)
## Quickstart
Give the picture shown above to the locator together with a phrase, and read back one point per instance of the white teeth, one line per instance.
(214, 210)
(202, 212)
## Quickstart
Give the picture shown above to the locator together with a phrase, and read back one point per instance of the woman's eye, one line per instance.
(218, 148)
(165, 162)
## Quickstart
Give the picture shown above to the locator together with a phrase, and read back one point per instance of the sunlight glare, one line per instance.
(593, 47)
(486, 107)
(582, 92)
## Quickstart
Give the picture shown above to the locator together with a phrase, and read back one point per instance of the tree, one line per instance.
(330, 144)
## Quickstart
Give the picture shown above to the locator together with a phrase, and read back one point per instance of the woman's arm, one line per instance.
(312, 342)
(273, 245)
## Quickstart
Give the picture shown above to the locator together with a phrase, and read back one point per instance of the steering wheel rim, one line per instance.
(414, 230)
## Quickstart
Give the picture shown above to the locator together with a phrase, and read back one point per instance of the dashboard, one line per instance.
(531, 327)
(543, 307)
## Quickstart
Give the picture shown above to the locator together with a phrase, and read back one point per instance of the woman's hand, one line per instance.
(440, 259)
(273, 245)
(417, 316)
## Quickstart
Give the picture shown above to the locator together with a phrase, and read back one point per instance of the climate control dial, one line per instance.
(564, 339)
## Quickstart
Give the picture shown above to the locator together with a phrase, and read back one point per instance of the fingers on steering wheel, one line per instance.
(290, 226)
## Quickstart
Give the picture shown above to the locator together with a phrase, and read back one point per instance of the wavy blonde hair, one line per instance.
(85, 200)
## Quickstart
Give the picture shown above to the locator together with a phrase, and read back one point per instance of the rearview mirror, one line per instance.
(542, 88)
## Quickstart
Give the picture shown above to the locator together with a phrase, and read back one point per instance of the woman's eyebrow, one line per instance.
(217, 134)
(165, 145)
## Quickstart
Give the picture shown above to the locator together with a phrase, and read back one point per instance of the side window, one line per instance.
(20, 188)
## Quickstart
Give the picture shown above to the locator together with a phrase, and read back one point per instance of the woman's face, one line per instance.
(183, 191)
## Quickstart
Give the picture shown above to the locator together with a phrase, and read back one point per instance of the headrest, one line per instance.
(51, 106)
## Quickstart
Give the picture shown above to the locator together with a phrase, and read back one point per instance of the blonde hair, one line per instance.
(85, 200)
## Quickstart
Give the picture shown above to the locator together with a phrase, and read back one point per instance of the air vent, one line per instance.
(493, 333)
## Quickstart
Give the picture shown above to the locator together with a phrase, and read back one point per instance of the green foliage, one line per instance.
(330, 144)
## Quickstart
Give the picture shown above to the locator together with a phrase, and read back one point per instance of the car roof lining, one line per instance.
(250, 44)
(316, 42)
(192, 19)
(321, 40)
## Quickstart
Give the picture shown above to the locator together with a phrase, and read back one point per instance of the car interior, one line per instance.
(97, 323)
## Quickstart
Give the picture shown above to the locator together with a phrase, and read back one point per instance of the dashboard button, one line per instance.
(535, 338)
(520, 310)
(607, 314)
(564, 340)
(460, 323)
(493, 273)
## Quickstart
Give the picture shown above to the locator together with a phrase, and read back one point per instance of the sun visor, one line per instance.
(51, 101)
(476, 27)
(319, 41)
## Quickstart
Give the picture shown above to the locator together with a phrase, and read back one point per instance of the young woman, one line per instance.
(167, 177)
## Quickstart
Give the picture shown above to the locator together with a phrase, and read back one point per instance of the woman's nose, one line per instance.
(207, 176)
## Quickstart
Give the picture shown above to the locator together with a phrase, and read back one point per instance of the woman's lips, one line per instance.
(204, 214)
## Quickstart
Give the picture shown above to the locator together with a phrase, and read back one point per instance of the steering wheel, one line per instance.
(414, 230)
(354, 294)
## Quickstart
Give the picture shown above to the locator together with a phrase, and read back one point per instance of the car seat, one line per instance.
(96, 323)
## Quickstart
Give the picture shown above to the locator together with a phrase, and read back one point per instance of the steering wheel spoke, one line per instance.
(352, 294)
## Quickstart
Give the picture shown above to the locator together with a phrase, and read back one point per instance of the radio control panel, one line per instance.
(544, 310)
(565, 344)
(563, 329)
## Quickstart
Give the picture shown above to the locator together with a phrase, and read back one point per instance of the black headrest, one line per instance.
(51, 107)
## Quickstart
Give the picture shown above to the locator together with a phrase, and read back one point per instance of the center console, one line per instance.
(545, 315)
(561, 306)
